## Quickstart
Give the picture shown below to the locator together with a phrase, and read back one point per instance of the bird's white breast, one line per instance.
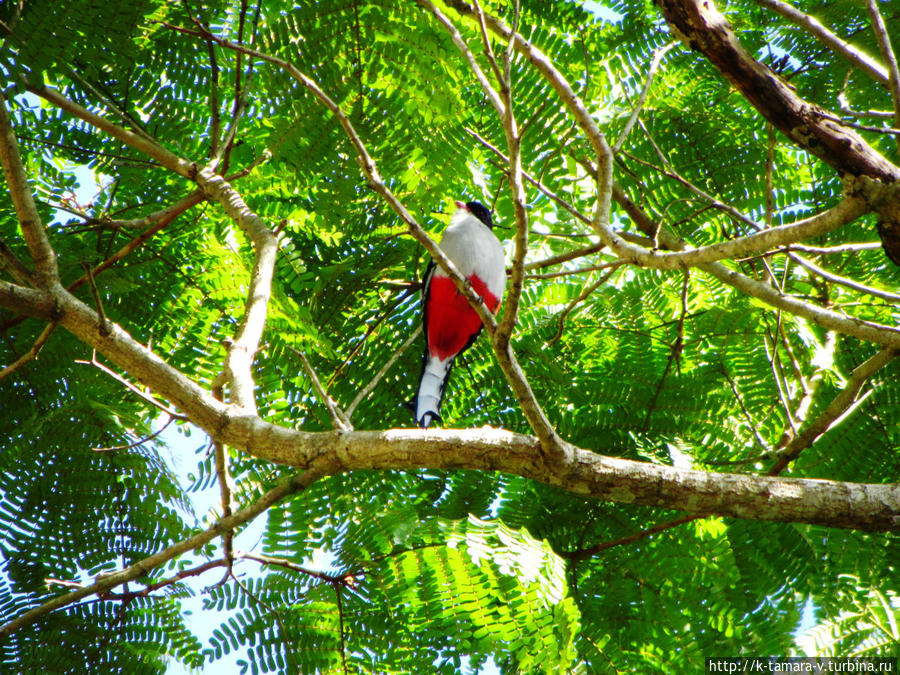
(474, 249)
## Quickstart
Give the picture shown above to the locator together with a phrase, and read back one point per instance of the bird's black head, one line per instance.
(479, 210)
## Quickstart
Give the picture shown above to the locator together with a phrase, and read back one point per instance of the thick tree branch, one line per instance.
(886, 336)
(239, 363)
(850, 208)
(46, 272)
(706, 30)
(812, 26)
(872, 507)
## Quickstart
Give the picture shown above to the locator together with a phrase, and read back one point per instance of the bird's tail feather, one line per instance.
(432, 383)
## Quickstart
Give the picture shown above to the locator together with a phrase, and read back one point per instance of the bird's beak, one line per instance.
(461, 205)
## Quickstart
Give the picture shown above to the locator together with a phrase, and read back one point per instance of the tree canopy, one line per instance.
(681, 428)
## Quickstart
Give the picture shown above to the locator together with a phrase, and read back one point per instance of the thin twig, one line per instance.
(580, 270)
(887, 53)
(103, 326)
(223, 476)
(488, 52)
(831, 250)
(338, 417)
(381, 373)
(15, 267)
(531, 179)
(290, 565)
(132, 388)
(371, 328)
(286, 487)
(844, 281)
(674, 352)
(561, 318)
(285, 640)
(835, 410)
(486, 87)
(31, 354)
(658, 56)
(139, 442)
(760, 441)
(340, 607)
(582, 553)
(836, 44)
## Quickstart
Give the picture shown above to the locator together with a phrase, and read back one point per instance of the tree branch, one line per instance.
(850, 208)
(887, 53)
(46, 272)
(886, 336)
(570, 99)
(381, 372)
(15, 267)
(839, 46)
(838, 406)
(338, 417)
(658, 56)
(31, 354)
(143, 567)
(580, 471)
(239, 363)
(806, 124)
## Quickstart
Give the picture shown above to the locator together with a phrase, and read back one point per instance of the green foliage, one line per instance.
(429, 571)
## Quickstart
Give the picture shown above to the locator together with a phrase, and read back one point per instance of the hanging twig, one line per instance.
(103, 327)
(338, 417)
(658, 56)
(128, 385)
(31, 354)
(887, 53)
(381, 373)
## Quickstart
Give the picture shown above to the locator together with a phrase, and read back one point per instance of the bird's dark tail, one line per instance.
(432, 383)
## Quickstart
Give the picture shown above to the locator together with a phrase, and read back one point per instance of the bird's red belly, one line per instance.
(451, 321)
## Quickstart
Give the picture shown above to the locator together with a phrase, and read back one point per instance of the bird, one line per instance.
(450, 323)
